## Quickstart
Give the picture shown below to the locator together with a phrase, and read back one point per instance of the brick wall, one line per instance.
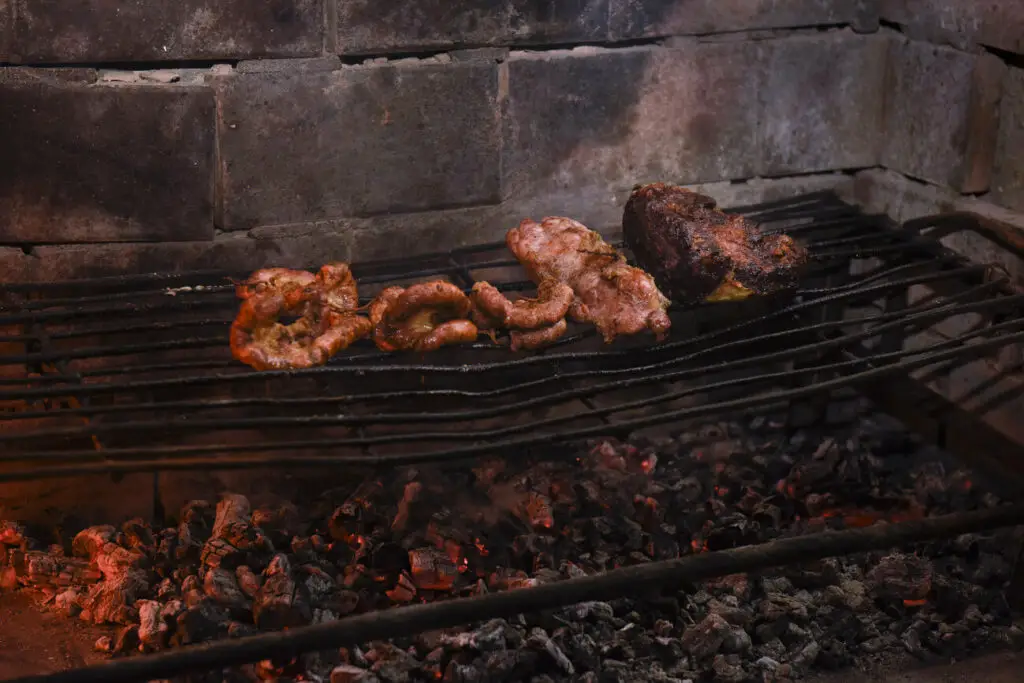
(146, 135)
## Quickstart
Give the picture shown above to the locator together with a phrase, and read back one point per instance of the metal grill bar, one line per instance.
(145, 360)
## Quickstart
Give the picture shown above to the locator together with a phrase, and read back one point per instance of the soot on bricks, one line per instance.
(225, 570)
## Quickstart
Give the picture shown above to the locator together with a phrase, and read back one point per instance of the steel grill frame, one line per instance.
(809, 334)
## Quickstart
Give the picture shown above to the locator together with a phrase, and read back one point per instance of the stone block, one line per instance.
(632, 19)
(96, 163)
(963, 24)
(379, 138)
(382, 26)
(76, 31)
(309, 244)
(1008, 183)
(613, 118)
(824, 102)
(942, 115)
(899, 197)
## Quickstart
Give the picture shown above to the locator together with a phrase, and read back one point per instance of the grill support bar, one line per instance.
(615, 584)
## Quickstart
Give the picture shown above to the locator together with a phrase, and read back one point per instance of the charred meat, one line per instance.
(697, 252)
(609, 293)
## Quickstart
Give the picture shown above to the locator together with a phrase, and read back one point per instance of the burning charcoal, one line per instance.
(90, 541)
(280, 522)
(70, 601)
(111, 600)
(535, 510)
(706, 638)
(233, 535)
(221, 586)
(12, 533)
(170, 611)
(166, 590)
(901, 577)
(192, 591)
(410, 495)
(137, 534)
(194, 529)
(432, 569)
(104, 644)
(281, 601)
(390, 663)
(540, 642)
(127, 640)
(776, 606)
(248, 581)
(152, 627)
(462, 673)
(39, 569)
(590, 610)
(728, 670)
(404, 590)
(201, 623)
(346, 673)
(319, 584)
(805, 659)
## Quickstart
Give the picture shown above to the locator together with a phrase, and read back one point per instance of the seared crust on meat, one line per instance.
(616, 297)
(327, 324)
(424, 317)
(697, 252)
(549, 306)
(532, 323)
(537, 338)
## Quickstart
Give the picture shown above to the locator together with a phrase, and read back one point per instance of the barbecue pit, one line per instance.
(719, 460)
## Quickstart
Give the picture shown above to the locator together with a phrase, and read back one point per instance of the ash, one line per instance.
(225, 570)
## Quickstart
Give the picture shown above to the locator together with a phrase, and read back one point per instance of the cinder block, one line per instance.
(1008, 183)
(964, 24)
(613, 118)
(824, 102)
(651, 18)
(76, 31)
(942, 115)
(381, 26)
(95, 163)
(402, 136)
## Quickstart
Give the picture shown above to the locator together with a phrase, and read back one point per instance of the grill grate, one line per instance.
(127, 374)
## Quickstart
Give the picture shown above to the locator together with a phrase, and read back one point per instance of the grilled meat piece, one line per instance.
(551, 305)
(697, 252)
(327, 323)
(532, 323)
(424, 317)
(616, 297)
(538, 338)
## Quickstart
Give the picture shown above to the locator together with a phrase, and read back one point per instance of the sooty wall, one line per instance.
(147, 135)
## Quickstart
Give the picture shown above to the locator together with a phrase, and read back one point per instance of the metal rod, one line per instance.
(479, 368)
(136, 464)
(612, 585)
(213, 424)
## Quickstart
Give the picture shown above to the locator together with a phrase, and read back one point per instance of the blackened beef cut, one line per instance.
(696, 252)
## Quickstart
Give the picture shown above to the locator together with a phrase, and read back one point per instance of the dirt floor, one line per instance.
(35, 640)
